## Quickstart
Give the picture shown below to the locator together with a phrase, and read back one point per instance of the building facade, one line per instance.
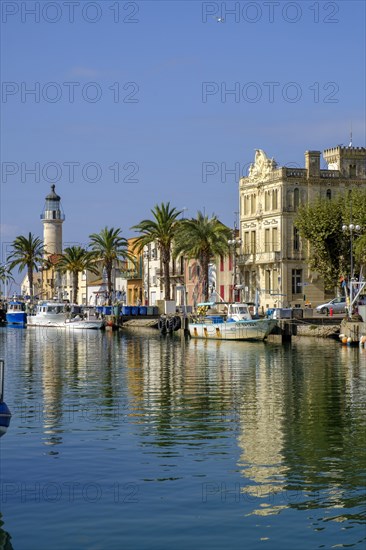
(273, 258)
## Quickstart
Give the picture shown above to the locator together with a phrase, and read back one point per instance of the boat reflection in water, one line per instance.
(278, 432)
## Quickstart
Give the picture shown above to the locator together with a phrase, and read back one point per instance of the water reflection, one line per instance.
(285, 422)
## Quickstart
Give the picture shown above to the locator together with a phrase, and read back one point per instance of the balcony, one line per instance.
(259, 258)
(130, 274)
(295, 172)
(267, 257)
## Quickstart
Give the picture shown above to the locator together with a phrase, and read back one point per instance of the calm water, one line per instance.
(137, 442)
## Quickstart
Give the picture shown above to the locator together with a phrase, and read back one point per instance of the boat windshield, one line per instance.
(54, 309)
(240, 310)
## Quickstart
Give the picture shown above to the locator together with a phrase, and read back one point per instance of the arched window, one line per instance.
(296, 198)
(267, 205)
(275, 199)
(253, 204)
(329, 194)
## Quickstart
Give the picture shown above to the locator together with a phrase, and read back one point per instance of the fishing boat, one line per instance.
(59, 314)
(15, 313)
(236, 323)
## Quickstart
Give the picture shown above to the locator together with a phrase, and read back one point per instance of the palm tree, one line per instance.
(27, 254)
(109, 249)
(5, 275)
(202, 238)
(76, 260)
(162, 230)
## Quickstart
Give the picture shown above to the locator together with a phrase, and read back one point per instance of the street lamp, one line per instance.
(234, 243)
(147, 256)
(351, 228)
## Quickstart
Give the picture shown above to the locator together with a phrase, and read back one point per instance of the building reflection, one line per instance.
(262, 417)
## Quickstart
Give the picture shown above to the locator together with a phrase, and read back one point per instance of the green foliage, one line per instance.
(321, 224)
(202, 238)
(109, 249)
(5, 274)
(162, 230)
(76, 259)
(27, 254)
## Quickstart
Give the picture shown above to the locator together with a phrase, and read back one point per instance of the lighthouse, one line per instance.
(52, 218)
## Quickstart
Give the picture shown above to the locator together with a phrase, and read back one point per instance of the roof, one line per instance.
(53, 195)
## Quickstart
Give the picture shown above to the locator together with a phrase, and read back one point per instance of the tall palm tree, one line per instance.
(109, 249)
(162, 230)
(27, 254)
(202, 238)
(5, 275)
(76, 260)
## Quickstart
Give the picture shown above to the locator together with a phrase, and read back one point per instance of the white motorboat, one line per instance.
(59, 314)
(235, 324)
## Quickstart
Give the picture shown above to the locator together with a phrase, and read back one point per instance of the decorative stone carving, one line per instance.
(262, 167)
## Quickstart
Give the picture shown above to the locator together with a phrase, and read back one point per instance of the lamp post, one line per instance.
(147, 256)
(234, 243)
(351, 228)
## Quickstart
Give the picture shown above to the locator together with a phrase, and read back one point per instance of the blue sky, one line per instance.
(174, 131)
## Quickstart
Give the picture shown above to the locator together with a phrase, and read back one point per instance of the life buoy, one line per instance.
(177, 323)
(162, 324)
(170, 324)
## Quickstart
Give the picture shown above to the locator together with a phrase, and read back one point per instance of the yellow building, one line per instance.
(273, 257)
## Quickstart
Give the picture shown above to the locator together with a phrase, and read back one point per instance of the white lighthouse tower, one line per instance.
(52, 218)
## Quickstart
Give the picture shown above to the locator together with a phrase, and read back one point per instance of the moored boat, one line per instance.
(236, 324)
(59, 314)
(15, 313)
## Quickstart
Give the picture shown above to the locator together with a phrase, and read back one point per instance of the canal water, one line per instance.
(132, 440)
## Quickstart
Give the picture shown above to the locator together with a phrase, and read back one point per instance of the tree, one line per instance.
(5, 274)
(27, 254)
(321, 224)
(202, 238)
(162, 230)
(109, 249)
(76, 260)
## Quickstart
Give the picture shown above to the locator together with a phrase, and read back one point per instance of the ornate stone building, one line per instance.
(272, 258)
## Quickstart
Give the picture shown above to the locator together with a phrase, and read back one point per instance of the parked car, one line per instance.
(337, 304)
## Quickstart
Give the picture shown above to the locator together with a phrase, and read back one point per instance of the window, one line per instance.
(231, 262)
(222, 292)
(296, 239)
(267, 197)
(246, 243)
(253, 204)
(275, 199)
(296, 198)
(275, 245)
(297, 281)
(267, 243)
(252, 242)
(222, 263)
(247, 204)
(329, 194)
(268, 281)
(352, 170)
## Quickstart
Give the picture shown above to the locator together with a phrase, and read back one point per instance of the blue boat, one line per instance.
(15, 314)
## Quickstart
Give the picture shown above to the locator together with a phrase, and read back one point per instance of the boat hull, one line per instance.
(16, 318)
(46, 321)
(254, 329)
